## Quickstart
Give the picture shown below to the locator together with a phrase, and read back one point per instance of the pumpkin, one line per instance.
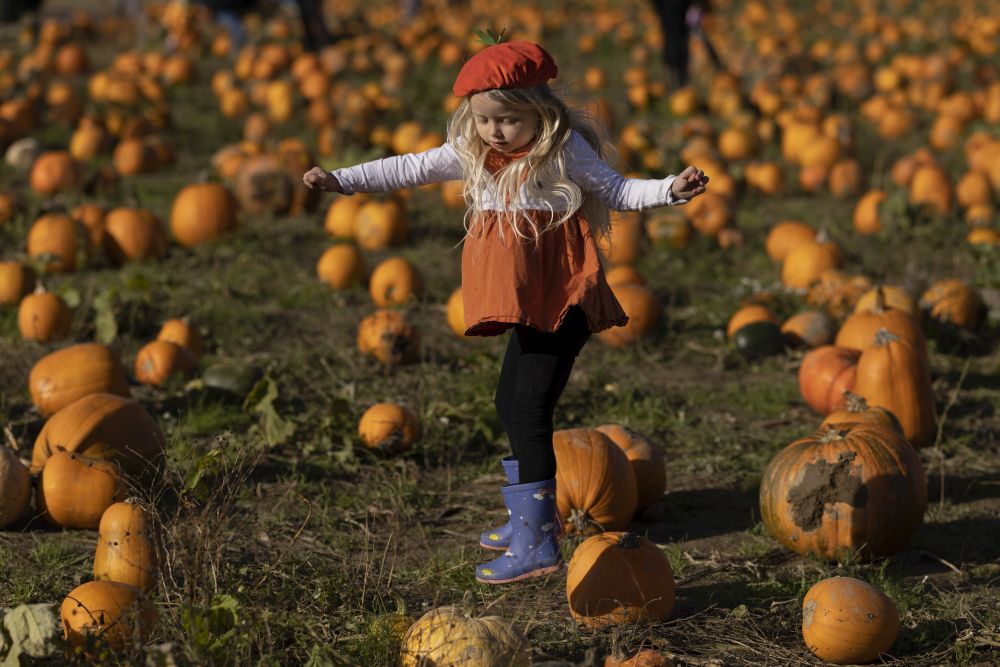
(644, 314)
(54, 171)
(624, 274)
(455, 313)
(748, 314)
(866, 218)
(264, 185)
(158, 360)
(595, 485)
(931, 187)
(74, 490)
(857, 411)
(126, 546)
(894, 374)
(132, 235)
(184, 333)
(670, 229)
(759, 339)
(784, 236)
(15, 487)
(110, 611)
(837, 292)
(616, 578)
(43, 316)
(202, 212)
(848, 490)
(825, 374)
(951, 301)
(709, 213)
(887, 296)
(448, 637)
(622, 245)
(16, 280)
(389, 427)
(858, 331)
(811, 328)
(387, 336)
(103, 426)
(340, 217)
(806, 262)
(644, 658)
(54, 234)
(846, 621)
(380, 224)
(63, 376)
(341, 266)
(394, 281)
(91, 216)
(647, 462)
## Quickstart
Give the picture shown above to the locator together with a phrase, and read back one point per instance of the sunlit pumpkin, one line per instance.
(389, 427)
(108, 612)
(127, 546)
(595, 484)
(825, 374)
(63, 376)
(74, 490)
(647, 462)
(202, 212)
(846, 621)
(448, 636)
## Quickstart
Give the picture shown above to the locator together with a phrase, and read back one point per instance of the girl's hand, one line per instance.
(689, 183)
(317, 177)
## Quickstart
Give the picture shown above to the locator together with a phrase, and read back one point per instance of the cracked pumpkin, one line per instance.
(848, 489)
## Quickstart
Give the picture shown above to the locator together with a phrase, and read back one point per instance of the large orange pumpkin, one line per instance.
(647, 462)
(847, 621)
(55, 235)
(341, 266)
(202, 212)
(825, 374)
(132, 235)
(616, 578)
(63, 376)
(846, 490)
(595, 484)
(74, 490)
(858, 331)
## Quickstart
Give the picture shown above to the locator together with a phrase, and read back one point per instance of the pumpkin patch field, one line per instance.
(242, 425)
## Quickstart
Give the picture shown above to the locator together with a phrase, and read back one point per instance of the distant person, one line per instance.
(229, 13)
(679, 19)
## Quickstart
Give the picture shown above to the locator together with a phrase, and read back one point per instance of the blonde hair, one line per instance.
(540, 174)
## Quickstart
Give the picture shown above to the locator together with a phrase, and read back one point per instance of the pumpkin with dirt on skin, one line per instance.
(389, 427)
(388, 336)
(158, 360)
(846, 621)
(63, 376)
(108, 612)
(450, 637)
(647, 462)
(103, 426)
(202, 212)
(126, 546)
(825, 374)
(394, 282)
(74, 490)
(595, 483)
(847, 490)
(617, 578)
(263, 185)
(15, 487)
(43, 316)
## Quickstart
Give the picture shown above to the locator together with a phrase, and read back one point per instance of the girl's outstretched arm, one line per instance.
(618, 193)
(391, 173)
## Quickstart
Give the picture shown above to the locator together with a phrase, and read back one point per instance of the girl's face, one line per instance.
(500, 126)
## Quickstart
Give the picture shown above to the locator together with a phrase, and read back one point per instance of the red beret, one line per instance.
(515, 64)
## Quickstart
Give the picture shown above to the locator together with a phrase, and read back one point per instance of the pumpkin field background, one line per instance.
(286, 539)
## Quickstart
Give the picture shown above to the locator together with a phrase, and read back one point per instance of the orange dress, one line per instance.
(507, 280)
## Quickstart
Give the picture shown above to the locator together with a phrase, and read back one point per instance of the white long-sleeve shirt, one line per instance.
(583, 165)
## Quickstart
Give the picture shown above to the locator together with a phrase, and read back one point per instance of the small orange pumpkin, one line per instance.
(202, 212)
(54, 234)
(126, 546)
(395, 281)
(644, 314)
(133, 235)
(825, 374)
(158, 360)
(389, 427)
(341, 266)
(388, 336)
(184, 333)
(111, 611)
(847, 621)
(857, 411)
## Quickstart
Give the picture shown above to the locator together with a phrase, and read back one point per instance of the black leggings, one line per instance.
(533, 375)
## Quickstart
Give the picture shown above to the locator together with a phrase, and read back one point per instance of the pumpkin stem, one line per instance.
(580, 521)
(833, 434)
(855, 403)
(879, 306)
(883, 337)
(400, 603)
(469, 603)
(11, 440)
(629, 541)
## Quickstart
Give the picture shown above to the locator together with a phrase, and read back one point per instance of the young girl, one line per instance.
(538, 193)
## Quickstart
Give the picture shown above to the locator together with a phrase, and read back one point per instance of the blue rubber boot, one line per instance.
(534, 542)
(499, 538)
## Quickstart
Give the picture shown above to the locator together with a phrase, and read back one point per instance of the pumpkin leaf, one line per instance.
(30, 630)
(261, 398)
(70, 295)
(488, 38)
(105, 324)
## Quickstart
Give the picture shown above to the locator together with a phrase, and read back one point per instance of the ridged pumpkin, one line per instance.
(202, 212)
(133, 235)
(953, 302)
(647, 462)
(341, 266)
(858, 331)
(846, 490)
(126, 546)
(887, 296)
(825, 374)
(158, 360)
(395, 281)
(15, 487)
(448, 637)
(387, 336)
(109, 611)
(63, 376)
(43, 317)
(595, 485)
(389, 427)
(894, 375)
(16, 280)
(74, 490)
(857, 411)
(644, 314)
(103, 426)
(847, 621)
(616, 578)
(184, 333)
(54, 234)
(811, 328)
